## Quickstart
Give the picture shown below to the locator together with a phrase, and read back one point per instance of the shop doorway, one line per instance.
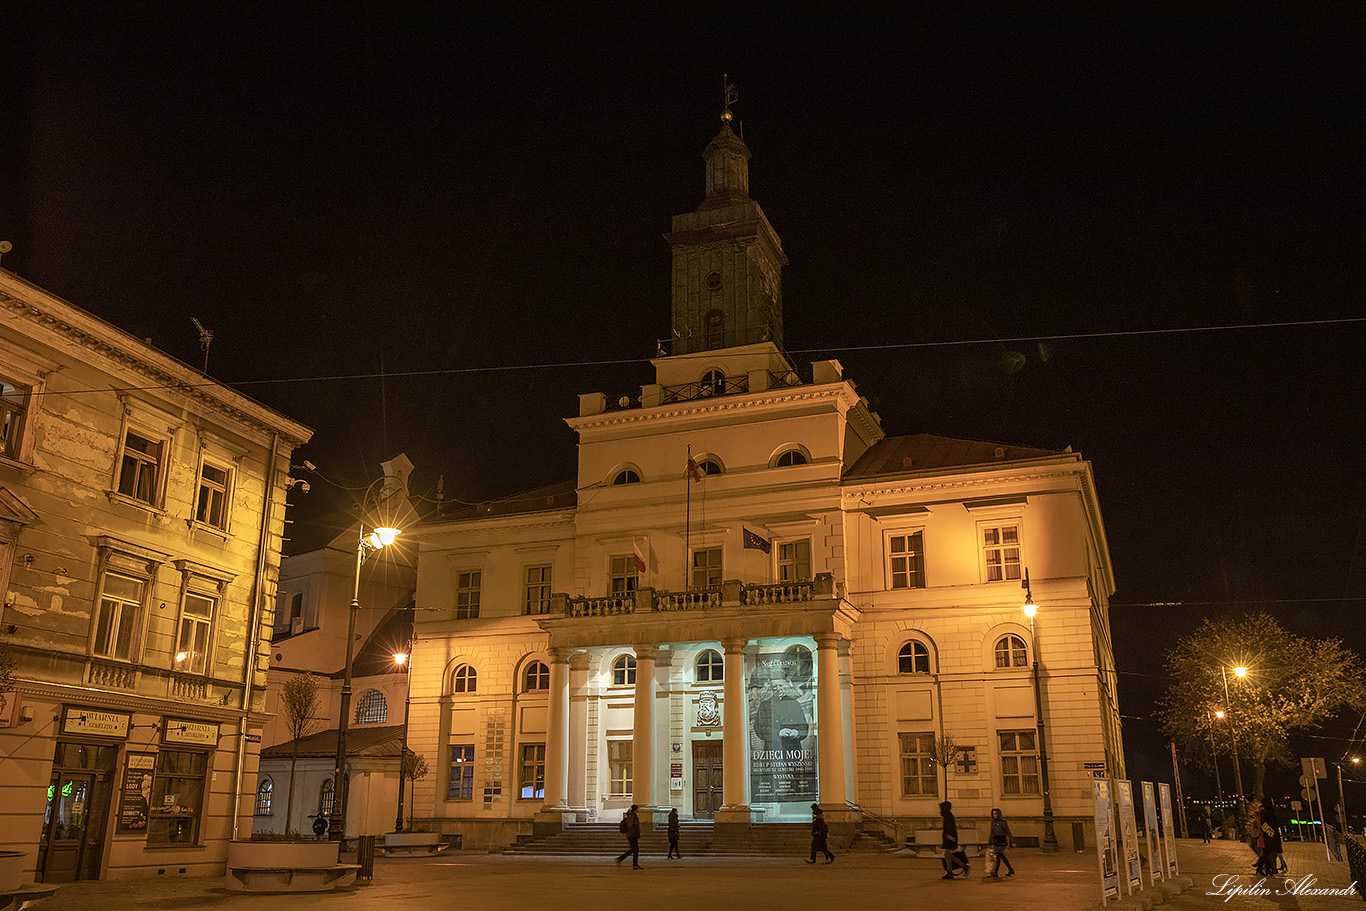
(72, 843)
(708, 778)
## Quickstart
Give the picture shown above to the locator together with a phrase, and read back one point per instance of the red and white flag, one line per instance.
(639, 557)
(694, 470)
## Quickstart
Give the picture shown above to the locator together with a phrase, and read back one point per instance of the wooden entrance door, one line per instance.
(707, 776)
(67, 835)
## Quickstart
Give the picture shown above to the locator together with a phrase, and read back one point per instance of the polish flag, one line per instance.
(639, 557)
(694, 470)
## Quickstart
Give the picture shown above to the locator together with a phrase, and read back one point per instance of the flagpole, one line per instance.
(687, 532)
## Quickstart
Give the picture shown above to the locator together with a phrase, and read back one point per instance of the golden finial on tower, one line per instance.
(731, 95)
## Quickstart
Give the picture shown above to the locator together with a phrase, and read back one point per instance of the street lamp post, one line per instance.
(1232, 730)
(1214, 757)
(1050, 838)
(383, 500)
(403, 659)
(1342, 797)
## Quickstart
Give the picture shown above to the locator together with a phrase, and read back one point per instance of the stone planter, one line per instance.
(12, 870)
(286, 866)
(400, 843)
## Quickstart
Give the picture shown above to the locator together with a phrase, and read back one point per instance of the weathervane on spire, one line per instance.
(732, 95)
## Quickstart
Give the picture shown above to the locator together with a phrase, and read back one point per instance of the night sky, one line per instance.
(428, 227)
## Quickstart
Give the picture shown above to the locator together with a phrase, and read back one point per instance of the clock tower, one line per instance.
(727, 286)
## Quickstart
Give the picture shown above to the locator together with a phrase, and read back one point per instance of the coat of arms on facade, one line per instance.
(707, 712)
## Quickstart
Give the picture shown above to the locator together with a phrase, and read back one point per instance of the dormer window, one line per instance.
(709, 466)
(627, 476)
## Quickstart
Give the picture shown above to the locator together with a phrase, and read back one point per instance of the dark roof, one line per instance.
(363, 741)
(561, 495)
(392, 634)
(929, 452)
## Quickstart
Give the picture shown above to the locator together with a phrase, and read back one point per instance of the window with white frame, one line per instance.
(620, 764)
(465, 680)
(211, 508)
(467, 595)
(918, 776)
(623, 575)
(1001, 552)
(794, 560)
(1011, 652)
(706, 567)
(140, 468)
(537, 677)
(264, 792)
(906, 560)
(1019, 763)
(532, 778)
(195, 637)
(119, 618)
(711, 668)
(914, 658)
(537, 590)
(13, 410)
(373, 708)
(624, 671)
(461, 785)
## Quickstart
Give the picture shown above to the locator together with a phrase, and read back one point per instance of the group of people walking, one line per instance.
(955, 858)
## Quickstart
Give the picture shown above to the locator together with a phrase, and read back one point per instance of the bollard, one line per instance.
(365, 856)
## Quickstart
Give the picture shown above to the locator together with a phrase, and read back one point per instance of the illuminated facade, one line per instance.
(141, 508)
(751, 599)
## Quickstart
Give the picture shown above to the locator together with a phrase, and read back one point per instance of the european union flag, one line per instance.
(753, 540)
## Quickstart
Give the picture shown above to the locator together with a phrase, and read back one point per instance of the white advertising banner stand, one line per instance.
(1107, 850)
(1128, 830)
(1155, 871)
(1164, 796)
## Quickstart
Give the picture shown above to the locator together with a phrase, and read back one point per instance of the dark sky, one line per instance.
(394, 216)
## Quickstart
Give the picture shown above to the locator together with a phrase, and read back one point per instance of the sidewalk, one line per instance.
(494, 882)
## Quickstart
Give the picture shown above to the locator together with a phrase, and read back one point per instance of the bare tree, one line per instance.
(299, 697)
(413, 767)
(945, 753)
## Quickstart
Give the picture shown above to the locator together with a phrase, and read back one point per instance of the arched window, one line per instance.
(789, 458)
(913, 658)
(326, 795)
(710, 667)
(624, 671)
(1010, 652)
(716, 329)
(710, 466)
(714, 383)
(264, 791)
(373, 708)
(627, 476)
(466, 679)
(537, 677)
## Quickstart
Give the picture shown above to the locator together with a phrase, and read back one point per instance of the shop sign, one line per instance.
(93, 723)
(189, 733)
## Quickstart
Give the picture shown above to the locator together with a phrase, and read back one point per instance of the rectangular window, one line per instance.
(706, 567)
(1001, 552)
(13, 408)
(620, 760)
(906, 560)
(119, 613)
(212, 507)
(467, 596)
(918, 778)
(537, 590)
(196, 629)
(461, 785)
(794, 561)
(623, 574)
(1019, 764)
(177, 798)
(532, 780)
(139, 468)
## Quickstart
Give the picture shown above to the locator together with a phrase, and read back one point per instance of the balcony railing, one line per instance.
(115, 676)
(730, 594)
(687, 392)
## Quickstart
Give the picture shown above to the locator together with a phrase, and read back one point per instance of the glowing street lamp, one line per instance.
(1050, 838)
(402, 660)
(1233, 733)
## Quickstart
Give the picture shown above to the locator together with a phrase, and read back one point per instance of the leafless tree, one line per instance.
(299, 697)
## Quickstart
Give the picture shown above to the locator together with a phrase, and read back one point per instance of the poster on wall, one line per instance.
(1128, 830)
(782, 726)
(1155, 869)
(1107, 850)
(135, 796)
(1164, 796)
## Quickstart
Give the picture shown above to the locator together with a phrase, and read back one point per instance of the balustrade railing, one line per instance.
(118, 676)
(733, 594)
(779, 593)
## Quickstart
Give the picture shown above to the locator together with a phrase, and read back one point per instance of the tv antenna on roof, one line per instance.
(205, 339)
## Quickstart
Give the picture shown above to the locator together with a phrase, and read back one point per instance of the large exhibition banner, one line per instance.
(782, 726)
(1128, 827)
(1107, 849)
(1155, 869)
(1164, 797)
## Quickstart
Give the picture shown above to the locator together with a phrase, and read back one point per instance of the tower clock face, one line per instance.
(713, 282)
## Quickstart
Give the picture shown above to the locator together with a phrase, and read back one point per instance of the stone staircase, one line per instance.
(695, 839)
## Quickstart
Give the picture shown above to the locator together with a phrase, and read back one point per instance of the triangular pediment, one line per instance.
(12, 509)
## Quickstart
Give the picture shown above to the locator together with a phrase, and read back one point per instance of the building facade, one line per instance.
(751, 599)
(141, 512)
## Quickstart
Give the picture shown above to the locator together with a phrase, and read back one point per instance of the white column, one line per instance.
(557, 733)
(735, 745)
(578, 731)
(830, 721)
(643, 745)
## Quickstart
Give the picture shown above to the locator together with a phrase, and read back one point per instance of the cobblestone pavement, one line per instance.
(1214, 867)
(492, 882)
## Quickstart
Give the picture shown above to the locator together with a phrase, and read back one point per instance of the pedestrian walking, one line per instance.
(819, 832)
(954, 857)
(673, 834)
(1273, 858)
(630, 827)
(1000, 840)
(1206, 825)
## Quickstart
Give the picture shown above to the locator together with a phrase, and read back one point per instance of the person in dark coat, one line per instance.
(632, 838)
(1000, 840)
(1272, 860)
(952, 858)
(819, 832)
(320, 825)
(673, 834)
